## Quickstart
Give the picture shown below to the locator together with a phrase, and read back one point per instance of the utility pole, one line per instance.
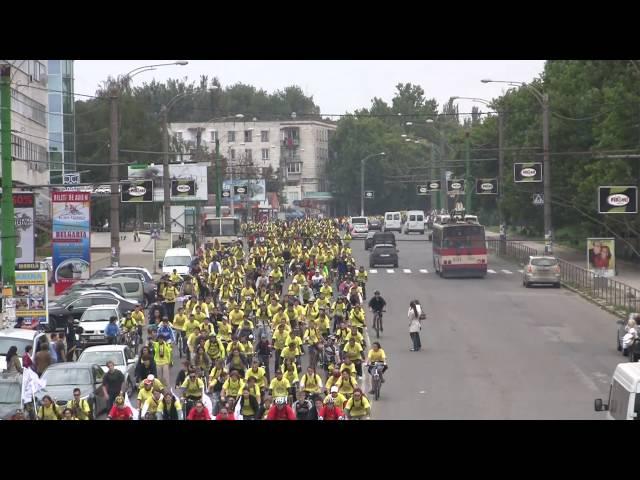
(232, 194)
(500, 167)
(218, 187)
(166, 180)
(546, 168)
(362, 187)
(467, 181)
(115, 201)
(8, 216)
(443, 190)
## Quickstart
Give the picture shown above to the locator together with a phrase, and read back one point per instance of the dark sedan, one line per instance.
(368, 241)
(375, 224)
(75, 305)
(383, 254)
(62, 378)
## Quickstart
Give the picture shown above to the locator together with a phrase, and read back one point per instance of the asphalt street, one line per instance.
(491, 348)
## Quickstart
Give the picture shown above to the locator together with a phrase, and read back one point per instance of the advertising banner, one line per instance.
(195, 172)
(601, 256)
(137, 191)
(422, 189)
(183, 189)
(455, 186)
(434, 185)
(527, 172)
(31, 298)
(71, 238)
(486, 186)
(24, 211)
(256, 189)
(618, 199)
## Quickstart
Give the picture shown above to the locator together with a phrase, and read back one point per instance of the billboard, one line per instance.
(486, 186)
(422, 189)
(434, 185)
(618, 199)
(31, 298)
(196, 172)
(24, 212)
(183, 189)
(137, 191)
(71, 238)
(527, 172)
(601, 256)
(257, 190)
(455, 186)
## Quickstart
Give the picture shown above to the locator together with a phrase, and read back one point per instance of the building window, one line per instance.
(293, 196)
(214, 135)
(247, 136)
(264, 136)
(248, 155)
(265, 154)
(232, 154)
(294, 167)
(179, 136)
(231, 136)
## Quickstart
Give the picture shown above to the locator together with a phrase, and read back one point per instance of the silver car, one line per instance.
(541, 270)
(123, 357)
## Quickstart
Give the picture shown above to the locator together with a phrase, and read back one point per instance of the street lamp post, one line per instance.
(362, 162)
(114, 95)
(543, 99)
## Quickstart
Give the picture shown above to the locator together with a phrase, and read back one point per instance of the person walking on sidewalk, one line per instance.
(415, 324)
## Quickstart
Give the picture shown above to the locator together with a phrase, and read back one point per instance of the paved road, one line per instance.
(491, 349)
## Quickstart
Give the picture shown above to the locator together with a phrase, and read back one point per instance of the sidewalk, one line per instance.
(628, 272)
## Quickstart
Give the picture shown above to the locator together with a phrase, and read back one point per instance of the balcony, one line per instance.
(290, 142)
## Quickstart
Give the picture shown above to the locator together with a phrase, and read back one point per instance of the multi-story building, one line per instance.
(298, 150)
(29, 135)
(62, 126)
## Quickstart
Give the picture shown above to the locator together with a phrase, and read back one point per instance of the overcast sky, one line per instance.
(337, 86)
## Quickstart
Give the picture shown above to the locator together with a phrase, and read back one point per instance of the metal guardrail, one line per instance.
(603, 290)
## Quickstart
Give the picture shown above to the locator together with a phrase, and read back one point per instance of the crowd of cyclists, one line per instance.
(271, 330)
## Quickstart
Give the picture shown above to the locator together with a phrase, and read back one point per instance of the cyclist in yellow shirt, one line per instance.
(358, 406)
(355, 353)
(279, 386)
(175, 277)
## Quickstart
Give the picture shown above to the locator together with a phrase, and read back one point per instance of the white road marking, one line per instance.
(390, 270)
(507, 272)
(406, 270)
(424, 270)
(520, 271)
(373, 270)
(422, 391)
(491, 271)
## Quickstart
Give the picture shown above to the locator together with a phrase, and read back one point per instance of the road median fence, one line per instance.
(607, 292)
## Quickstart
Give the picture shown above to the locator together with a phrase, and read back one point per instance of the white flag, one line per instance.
(127, 403)
(31, 384)
(207, 402)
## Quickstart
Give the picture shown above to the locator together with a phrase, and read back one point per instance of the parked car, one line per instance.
(10, 395)
(77, 303)
(149, 284)
(20, 337)
(375, 224)
(541, 269)
(129, 288)
(93, 322)
(62, 378)
(368, 241)
(122, 356)
(383, 254)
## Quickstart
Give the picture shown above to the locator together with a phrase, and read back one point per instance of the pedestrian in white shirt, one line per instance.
(415, 324)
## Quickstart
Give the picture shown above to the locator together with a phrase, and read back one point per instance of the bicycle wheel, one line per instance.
(377, 388)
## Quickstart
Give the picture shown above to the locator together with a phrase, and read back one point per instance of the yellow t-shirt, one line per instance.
(378, 356)
(280, 388)
(358, 408)
(179, 321)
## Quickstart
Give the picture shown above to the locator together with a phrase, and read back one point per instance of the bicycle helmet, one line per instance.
(377, 292)
(280, 401)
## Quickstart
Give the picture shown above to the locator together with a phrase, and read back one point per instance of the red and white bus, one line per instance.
(459, 249)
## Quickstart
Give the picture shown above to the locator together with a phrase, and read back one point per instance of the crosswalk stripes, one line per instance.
(508, 272)
(491, 271)
(390, 270)
(424, 270)
(373, 270)
(406, 270)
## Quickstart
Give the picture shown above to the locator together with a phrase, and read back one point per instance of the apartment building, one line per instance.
(297, 150)
(61, 119)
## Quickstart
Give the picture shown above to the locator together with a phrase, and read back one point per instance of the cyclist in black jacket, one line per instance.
(377, 303)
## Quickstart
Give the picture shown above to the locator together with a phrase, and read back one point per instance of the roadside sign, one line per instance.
(527, 172)
(422, 189)
(239, 190)
(538, 198)
(486, 186)
(434, 185)
(618, 199)
(455, 186)
(369, 194)
(137, 191)
(226, 193)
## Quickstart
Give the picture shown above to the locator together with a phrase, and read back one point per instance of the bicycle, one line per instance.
(377, 322)
(376, 378)
(181, 340)
(131, 340)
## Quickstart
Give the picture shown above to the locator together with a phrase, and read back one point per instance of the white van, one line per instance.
(624, 394)
(415, 222)
(178, 258)
(393, 221)
(359, 226)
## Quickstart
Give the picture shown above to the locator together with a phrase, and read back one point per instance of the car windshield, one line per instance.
(226, 227)
(7, 342)
(176, 261)
(10, 392)
(98, 315)
(544, 262)
(101, 358)
(67, 376)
